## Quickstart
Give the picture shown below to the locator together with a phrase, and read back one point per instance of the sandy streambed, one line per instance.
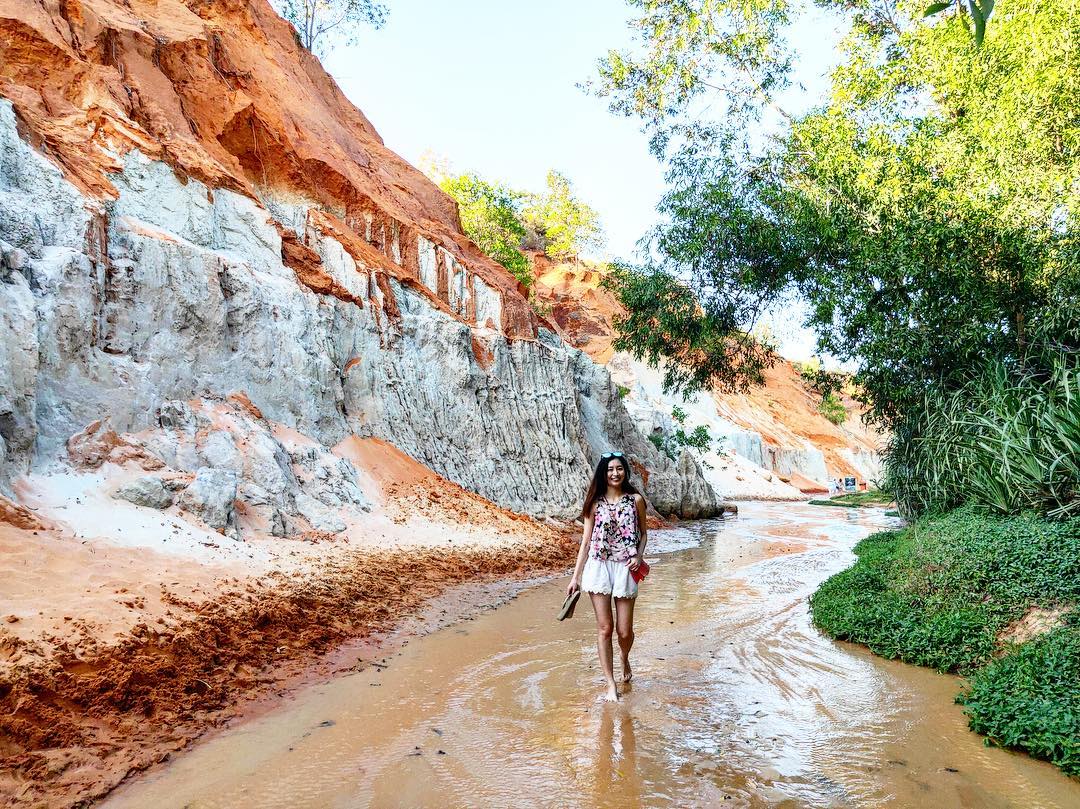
(72, 726)
(737, 700)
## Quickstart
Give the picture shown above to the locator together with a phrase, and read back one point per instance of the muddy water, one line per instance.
(736, 701)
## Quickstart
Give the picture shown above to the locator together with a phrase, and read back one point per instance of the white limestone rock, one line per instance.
(211, 498)
(146, 491)
(186, 296)
(18, 375)
(316, 513)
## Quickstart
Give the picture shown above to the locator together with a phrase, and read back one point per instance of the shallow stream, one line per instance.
(736, 701)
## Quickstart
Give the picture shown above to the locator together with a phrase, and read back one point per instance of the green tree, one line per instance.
(559, 223)
(319, 22)
(672, 444)
(827, 384)
(735, 51)
(490, 216)
(504, 221)
(979, 10)
(927, 210)
(832, 408)
(667, 319)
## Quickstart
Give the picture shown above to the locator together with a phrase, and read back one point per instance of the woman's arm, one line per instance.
(643, 529)
(583, 551)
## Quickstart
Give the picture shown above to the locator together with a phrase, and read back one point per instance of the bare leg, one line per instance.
(602, 606)
(624, 627)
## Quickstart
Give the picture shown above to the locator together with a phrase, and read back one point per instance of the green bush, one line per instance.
(489, 216)
(1031, 699)
(868, 499)
(672, 444)
(833, 409)
(938, 593)
(559, 223)
(503, 221)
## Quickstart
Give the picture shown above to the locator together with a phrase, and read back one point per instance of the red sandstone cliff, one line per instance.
(222, 92)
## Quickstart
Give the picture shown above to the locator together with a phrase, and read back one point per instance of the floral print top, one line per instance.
(615, 530)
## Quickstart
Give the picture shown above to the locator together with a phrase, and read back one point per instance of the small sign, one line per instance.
(849, 484)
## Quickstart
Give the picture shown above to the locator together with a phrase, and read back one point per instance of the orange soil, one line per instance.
(387, 465)
(804, 484)
(98, 443)
(407, 487)
(582, 311)
(68, 596)
(223, 93)
(112, 657)
(1036, 621)
(19, 516)
(76, 722)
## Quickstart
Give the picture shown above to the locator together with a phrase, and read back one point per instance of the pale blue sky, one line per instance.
(492, 87)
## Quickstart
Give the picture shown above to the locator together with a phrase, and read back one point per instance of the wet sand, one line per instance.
(736, 701)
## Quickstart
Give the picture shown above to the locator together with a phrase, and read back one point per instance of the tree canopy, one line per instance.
(559, 223)
(490, 216)
(504, 221)
(926, 209)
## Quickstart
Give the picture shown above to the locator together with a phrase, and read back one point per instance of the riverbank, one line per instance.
(994, 599)
(127, 631)
(75, 725)
(875, 498)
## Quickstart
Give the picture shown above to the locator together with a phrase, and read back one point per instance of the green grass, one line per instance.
(874, 497)
(939, 593)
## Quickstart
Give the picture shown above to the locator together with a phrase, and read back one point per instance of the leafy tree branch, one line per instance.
(321, 22)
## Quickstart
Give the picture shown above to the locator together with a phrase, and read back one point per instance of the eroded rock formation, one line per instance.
(189, 206)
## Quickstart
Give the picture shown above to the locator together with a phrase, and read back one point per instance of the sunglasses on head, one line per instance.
(608, 455)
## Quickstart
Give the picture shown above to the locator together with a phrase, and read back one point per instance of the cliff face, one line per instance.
(775, 443)
(189, 207)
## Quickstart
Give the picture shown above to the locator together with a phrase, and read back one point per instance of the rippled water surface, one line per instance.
(736, 701)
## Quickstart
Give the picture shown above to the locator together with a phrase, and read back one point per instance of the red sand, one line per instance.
(78, 718)
(111, 657)
(407, 487)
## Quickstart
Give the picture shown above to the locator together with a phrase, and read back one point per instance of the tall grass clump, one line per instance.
(1007, 440)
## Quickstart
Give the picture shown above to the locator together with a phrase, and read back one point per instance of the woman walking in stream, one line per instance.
(612, 544)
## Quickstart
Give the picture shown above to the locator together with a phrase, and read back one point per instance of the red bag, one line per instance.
(641, 572)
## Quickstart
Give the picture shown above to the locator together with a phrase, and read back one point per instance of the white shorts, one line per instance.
(610, 578)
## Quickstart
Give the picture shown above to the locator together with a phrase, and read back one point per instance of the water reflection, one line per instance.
(616, 756)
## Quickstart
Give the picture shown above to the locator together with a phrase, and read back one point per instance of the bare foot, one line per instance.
(627, 675)
(612, 694)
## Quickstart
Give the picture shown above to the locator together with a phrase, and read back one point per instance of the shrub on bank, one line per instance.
(1030, 699)
(872, 498)
(939, 593)
(1007, 439)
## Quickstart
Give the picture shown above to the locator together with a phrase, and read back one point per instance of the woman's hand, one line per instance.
(634, 562)
(571, 587)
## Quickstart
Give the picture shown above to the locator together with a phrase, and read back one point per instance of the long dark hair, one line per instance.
(598, 484)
